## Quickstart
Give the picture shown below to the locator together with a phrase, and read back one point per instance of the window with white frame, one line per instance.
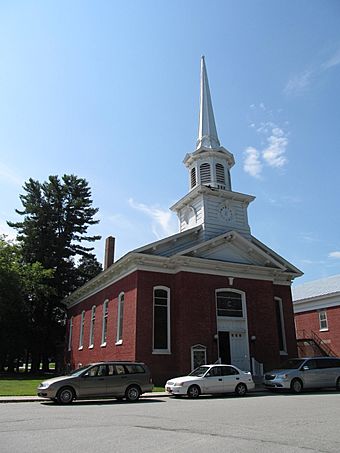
(161, 319)
(120, 318)
(93, 319)
(280, 325)
(198, 356)
(104, 322)
(70, 331)
(81, 333)
(323, 320)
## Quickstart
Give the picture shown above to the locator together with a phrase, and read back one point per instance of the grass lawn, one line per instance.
(27, 386)
(19, 386)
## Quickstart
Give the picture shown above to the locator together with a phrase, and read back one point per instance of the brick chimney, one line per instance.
(109, 252)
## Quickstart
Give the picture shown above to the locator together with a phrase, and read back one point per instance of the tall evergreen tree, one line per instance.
(56, 217)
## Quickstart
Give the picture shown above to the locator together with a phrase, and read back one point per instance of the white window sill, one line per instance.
(283, 353)
(103, 345)
(119, 342)
(161, 351)
(91, 346)
(324, 330)
(80, 348)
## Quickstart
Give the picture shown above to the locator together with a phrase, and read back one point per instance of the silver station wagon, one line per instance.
(303, 373)
(99, 380)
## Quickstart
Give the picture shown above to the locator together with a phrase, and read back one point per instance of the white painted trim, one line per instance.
(323, 312)
(81, 330)
(104, 321)
(70, 334)
(161, 264)
(316, 303)
(200, 348)
(92, 323)
(120, 322)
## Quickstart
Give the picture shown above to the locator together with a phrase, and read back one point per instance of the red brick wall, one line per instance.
(193, 321)
(125, 351)
(309, 321)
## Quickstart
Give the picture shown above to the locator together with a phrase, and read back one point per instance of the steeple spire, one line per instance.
(207, 133)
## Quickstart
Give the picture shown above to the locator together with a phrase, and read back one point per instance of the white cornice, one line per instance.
(160, 264)
(213, 192)
(316, 302)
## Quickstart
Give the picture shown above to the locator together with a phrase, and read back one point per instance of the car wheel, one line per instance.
(296, 386)
(194, 391)
(337, 385)
(65, 395)
(132, 393)
(241, 389)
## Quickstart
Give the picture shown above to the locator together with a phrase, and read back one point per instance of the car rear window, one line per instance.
(328, 363)
(134, 368)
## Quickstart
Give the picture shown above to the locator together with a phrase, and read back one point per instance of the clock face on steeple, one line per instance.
(225, 212)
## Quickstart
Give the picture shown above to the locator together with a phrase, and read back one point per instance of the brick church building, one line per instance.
(212, 292)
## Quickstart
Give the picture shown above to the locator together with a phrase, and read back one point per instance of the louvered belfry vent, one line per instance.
(220, 176)
(193, 178)
(205, 173)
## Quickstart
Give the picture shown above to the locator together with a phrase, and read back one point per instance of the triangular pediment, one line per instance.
(232, 247)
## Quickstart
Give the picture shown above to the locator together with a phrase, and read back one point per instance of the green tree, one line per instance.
(21, 287)
(56, 216)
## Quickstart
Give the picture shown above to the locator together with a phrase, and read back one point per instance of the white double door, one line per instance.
(239, 350)
(235, 339)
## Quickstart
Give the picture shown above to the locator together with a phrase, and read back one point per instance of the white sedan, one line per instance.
(211, 379)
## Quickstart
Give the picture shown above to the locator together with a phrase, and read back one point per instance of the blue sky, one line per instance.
(109, 91)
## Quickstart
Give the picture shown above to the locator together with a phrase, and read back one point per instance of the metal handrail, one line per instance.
(311, 335)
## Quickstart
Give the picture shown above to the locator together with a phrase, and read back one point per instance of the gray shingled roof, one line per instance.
(316, 288)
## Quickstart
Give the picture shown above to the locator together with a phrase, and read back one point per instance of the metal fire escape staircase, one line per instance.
(311, 345)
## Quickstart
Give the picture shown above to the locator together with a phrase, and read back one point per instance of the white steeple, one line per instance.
(211, 202)
(207, 133)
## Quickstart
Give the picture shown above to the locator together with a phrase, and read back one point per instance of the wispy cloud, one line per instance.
(163, 222)
(333, 61)
(335, 254)
(252, 162)
(298, 84)
(9, 176)
(273, 152)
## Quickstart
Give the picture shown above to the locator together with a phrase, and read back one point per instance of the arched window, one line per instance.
(81, 332)
(104, 322)
(93, 319)
(205, 175)
(120, 317)
(220, 175)
(198, 356)
(229, 304)
(161, 319)
(70, 334)
(193, 178)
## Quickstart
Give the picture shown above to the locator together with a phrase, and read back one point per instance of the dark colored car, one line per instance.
(99, 380)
